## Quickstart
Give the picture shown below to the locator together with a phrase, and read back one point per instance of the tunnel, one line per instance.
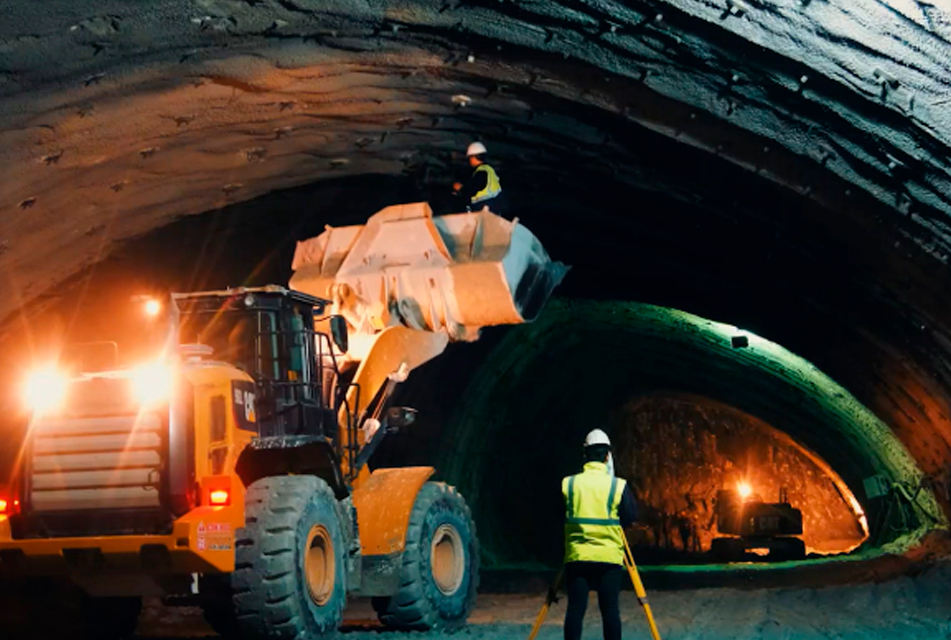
(630, 352)
(753, 198)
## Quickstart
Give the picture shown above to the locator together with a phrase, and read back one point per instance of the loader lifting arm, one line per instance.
(408, 283)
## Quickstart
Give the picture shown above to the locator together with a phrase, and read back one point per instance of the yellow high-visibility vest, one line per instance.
(492, 186)
(593, 530)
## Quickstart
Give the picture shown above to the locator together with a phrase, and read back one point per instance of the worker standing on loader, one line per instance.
(483, 188)
(599, 506)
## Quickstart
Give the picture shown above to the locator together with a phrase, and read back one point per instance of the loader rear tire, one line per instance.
(440, 565)
(290, 570)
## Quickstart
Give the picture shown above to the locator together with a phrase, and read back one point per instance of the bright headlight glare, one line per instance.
(45, 389)
(152, 383)
(152, 307)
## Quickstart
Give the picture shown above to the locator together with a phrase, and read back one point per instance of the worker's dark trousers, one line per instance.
(496, 205)
(580, 579)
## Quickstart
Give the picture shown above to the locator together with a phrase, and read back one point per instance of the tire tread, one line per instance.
(410, 609)
(261, 591)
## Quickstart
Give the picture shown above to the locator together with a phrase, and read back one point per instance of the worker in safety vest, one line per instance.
(599, 506)
(483, 188)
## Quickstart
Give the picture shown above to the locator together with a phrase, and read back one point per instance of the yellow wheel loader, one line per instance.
(232, 471)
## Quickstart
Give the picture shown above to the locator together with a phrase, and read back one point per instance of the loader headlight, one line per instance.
(152, 383)
(45, 389)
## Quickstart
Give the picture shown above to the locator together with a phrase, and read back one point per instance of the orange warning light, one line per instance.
(219, 498)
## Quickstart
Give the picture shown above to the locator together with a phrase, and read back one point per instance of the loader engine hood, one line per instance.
(451, 274)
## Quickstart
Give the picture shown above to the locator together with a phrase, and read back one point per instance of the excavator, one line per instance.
(231, 471)
(746, 522)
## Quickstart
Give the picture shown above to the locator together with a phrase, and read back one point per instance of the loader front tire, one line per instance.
(440, 565)
(290, 575)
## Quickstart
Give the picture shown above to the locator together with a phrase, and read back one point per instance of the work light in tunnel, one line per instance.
(745, 490)
(152, 307)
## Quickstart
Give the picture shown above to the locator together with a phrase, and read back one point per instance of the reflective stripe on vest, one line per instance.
(492, 185)
(592, 524)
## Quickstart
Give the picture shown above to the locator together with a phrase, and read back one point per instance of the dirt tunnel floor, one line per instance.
(905, 608)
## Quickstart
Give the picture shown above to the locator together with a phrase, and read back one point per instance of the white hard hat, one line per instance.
(596, 436)
(476, 149)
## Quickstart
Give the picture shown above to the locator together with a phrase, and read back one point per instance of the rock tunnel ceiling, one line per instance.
(783, 166)
(128, 116)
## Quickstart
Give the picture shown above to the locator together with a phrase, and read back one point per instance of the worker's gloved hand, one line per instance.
(553, 594)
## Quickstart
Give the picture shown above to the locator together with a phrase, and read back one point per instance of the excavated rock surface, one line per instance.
(677, 452)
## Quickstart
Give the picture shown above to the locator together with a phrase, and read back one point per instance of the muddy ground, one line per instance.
(906, 608)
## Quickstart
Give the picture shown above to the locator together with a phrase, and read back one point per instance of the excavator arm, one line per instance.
(408, 283)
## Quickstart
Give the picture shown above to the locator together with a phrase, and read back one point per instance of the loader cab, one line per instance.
(268, 332)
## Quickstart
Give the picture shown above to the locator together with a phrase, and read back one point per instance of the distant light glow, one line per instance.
(744, 489)
(152, 307)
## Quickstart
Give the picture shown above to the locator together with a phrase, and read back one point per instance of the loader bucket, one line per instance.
(454, 273)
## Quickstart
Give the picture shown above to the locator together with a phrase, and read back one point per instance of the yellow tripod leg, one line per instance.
(538, 621)
(639, 587)
(545, 607)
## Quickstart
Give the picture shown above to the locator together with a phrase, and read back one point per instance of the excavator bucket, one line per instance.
(449, 274)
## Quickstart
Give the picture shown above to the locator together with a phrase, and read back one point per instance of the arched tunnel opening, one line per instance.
(753, 200)
(634, 356)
